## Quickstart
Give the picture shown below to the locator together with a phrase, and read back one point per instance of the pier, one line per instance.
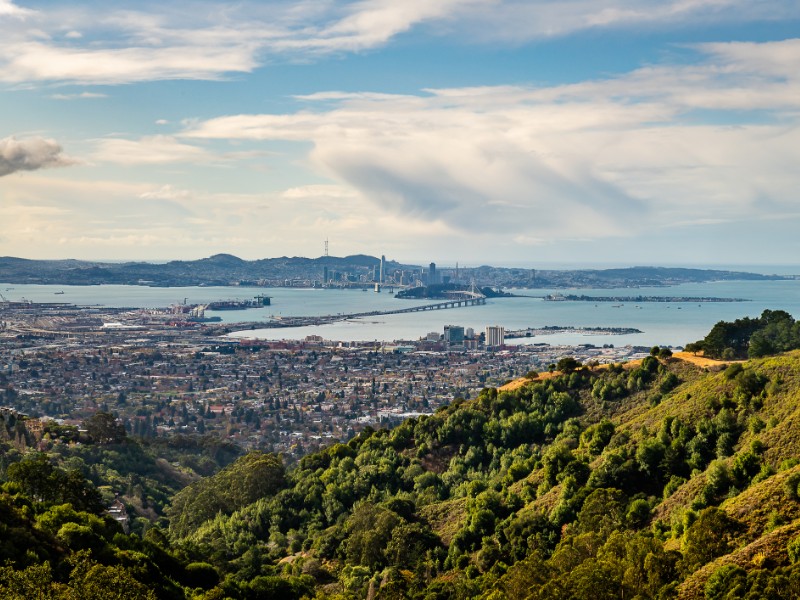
(325, 319)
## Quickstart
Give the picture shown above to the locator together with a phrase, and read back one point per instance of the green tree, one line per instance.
(33, 583)
(253, 476)
(729, 581)
(713, 534)
(369, 532)
(104, 428)
(567, 364)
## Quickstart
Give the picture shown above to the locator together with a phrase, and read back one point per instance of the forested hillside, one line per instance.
(654, 480)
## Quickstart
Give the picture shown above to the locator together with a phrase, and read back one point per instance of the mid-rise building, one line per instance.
(454, 335)
(495, 335)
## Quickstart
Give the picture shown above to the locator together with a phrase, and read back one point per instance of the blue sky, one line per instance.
(479, 131)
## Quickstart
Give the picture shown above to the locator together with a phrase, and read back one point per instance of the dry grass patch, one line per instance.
(445, 517)
(702, 361)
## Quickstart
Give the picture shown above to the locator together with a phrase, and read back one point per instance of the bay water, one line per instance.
(662, 323)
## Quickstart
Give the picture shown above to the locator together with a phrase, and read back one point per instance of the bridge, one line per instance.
(325, 319)
(454, 303)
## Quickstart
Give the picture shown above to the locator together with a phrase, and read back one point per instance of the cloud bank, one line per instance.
(655, 148)
(30, 154)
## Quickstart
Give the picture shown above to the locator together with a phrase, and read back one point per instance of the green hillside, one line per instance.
(657, 480)
(606, 480)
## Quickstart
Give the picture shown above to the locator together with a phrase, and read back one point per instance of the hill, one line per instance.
(226, 269)
(617, 482)
(220, 269)
(657, 480)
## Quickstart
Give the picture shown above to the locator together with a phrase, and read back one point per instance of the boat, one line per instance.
(256, 302)
(59, 293)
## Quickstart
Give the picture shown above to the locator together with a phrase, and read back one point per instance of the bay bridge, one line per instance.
(461, 300)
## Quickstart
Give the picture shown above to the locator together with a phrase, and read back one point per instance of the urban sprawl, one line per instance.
(161, 375)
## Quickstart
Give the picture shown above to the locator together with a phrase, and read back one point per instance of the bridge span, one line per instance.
(325, 319)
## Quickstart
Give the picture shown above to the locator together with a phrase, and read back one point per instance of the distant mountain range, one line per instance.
(226, 269)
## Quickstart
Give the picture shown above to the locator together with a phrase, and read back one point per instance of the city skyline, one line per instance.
(481, 131)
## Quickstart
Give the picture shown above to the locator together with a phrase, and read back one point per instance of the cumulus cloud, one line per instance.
(30, 154)
(646, 150)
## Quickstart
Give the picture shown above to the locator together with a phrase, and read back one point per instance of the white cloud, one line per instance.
(39, 61)
(149, 150)
(8, 8)
(51, 217)
(30, 154)
(370, 23)
(166, 192)
(80, 96)
(602, 158)
(130, 42)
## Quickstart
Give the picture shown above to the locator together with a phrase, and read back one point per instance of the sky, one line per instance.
(504, 132)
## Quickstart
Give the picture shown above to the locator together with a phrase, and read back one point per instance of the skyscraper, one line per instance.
(383, 269)
(432, 274)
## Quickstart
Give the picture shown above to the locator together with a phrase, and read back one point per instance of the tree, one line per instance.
(104, 428)
(44, 482)
(93, 581)
(253, 476)
(713, 534)
(602, 512)
(726, 582)
(567, 364)
(370, 529)
(33, 583)
(36, 476)
(694, 347)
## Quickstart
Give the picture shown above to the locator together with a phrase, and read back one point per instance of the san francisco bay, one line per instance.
(666, 323)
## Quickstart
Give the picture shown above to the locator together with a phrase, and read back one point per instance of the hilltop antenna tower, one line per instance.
(326, 247)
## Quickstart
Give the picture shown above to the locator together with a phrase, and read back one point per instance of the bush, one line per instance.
(726, 582)
(793, 549)
(733, 370)
(791, 487)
